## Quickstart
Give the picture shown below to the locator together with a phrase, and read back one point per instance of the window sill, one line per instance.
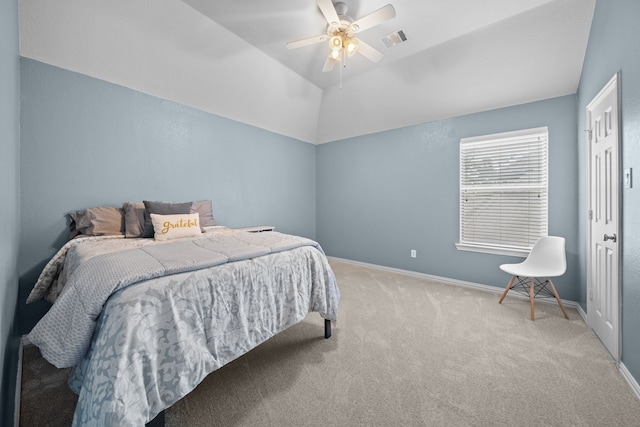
(493, 250)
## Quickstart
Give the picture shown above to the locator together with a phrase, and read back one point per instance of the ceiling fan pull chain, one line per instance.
(341, 67)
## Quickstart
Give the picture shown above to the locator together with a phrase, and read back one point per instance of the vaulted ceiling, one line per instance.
(229, 57)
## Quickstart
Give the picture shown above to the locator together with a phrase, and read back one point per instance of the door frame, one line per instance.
(615, 80)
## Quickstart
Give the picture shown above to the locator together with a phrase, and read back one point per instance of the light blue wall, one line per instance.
(87, 142)
(9, 203)
(381, 195)
(614, 46)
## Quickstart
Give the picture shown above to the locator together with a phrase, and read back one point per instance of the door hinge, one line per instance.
(590, 295)
(590, 214)
(589, 133)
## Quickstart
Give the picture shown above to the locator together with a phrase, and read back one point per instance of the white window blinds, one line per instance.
(503, 191)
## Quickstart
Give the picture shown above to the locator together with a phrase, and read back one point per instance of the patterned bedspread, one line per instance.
(157, 338)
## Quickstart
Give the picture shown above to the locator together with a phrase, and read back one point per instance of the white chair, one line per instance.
(546, 259)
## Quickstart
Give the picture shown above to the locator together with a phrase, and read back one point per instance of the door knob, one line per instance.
(612, 237)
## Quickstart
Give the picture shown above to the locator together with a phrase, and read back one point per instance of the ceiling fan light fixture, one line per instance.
(336, 43)
(335, 53)
(351, 46)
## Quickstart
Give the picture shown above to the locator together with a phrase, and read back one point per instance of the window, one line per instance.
(503, 192)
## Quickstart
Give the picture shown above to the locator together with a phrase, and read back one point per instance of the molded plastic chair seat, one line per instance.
(546, 259)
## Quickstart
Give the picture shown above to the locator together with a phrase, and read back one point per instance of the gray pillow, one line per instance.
(133, 219)
(203, 207)
(100, 221)
(161, 208)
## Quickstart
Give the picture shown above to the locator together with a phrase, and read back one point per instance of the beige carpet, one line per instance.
(406, 352)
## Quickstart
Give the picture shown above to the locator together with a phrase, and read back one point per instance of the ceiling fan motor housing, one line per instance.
(344, 26)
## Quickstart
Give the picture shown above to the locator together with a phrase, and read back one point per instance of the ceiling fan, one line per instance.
(341, 33)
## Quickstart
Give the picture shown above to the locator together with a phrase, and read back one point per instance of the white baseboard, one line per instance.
(16, 409)
(630, 380)
(456, 282)
(582, 313)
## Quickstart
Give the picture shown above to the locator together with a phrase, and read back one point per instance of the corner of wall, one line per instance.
(10, 207)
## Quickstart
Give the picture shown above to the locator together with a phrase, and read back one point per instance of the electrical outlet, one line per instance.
(413, 253)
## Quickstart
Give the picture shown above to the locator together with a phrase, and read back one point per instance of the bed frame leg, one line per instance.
(327, 328)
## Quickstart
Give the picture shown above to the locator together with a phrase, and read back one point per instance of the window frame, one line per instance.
(495, 140)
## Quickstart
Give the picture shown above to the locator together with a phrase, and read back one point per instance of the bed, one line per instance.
(142, 321)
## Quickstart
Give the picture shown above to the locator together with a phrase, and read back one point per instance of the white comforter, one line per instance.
(154, 341)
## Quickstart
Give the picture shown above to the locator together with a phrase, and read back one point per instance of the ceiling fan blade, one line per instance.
(369, 51)
(329, 64)
(306, 42)
(329, 11)
(373, 19)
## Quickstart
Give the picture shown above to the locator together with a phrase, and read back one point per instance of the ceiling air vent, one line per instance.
(394, 38)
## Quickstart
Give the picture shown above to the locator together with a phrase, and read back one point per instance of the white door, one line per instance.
(603, 232)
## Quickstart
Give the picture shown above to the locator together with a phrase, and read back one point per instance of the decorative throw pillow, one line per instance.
(204, 208)
(168, 227)
(161, 208)
(100, 221)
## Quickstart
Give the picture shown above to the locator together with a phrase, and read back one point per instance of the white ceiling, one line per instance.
(229, 57)
(268, 25)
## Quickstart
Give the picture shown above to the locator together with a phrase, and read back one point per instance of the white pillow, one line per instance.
(167, 227)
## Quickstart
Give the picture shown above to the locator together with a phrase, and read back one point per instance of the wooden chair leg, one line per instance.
(555, 293)
(532, 296)
(506, 290)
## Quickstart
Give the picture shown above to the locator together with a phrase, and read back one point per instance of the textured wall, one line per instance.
(381, 195)
(87, 142)
(613, 46)
(9, 203)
